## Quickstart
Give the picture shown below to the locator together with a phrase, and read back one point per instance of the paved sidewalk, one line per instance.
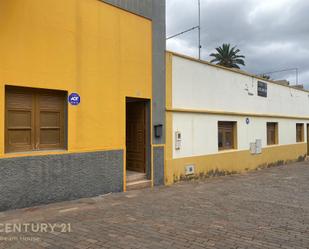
(263, 209)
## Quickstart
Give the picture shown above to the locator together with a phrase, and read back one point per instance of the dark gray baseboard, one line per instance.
(37, 180)
(158, 165)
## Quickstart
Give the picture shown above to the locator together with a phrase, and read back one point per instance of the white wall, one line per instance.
(204, 87)
(199, 86)
(200, 132)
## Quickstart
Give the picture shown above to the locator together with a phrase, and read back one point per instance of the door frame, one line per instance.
(148, 153)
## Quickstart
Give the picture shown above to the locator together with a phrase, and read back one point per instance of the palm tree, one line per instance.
(266, 76)
(227, 57)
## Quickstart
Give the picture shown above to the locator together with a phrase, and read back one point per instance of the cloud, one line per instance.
(272, 34)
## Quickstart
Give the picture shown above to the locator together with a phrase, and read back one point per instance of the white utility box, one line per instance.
(258, 149)
(252, 148)
(190, 169)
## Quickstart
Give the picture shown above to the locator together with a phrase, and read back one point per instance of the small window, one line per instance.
(34, 119)
(299, 133)
(226, 135)
(272, 133)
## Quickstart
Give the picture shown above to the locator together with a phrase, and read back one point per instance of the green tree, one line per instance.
(227, 57)
(265, 76)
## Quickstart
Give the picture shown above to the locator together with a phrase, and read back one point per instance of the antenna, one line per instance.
(181, 33)
(199, 30)
(283, 71)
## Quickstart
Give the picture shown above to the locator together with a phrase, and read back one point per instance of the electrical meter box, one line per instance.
(158, 130)
(190, 169)
(252, 148)
(258, 143)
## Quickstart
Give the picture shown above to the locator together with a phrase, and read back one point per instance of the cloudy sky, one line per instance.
(272, 34)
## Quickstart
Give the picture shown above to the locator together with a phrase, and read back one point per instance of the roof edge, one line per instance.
(235, 71)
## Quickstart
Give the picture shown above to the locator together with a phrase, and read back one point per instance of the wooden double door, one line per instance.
(136, 136)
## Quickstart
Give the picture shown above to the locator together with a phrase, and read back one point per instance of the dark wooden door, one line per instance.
(136, 136)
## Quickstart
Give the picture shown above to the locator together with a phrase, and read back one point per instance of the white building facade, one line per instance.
(215, 114)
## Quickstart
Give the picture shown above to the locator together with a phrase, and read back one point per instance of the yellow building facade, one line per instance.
(104, 53)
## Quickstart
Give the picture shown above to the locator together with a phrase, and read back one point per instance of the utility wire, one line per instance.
(182, 32)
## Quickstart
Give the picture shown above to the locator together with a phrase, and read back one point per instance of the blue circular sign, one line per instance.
(227, 144)
(247, 121)
(74, 99)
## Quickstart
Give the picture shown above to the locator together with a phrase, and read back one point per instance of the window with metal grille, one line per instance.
(35, 119)
(226, 135)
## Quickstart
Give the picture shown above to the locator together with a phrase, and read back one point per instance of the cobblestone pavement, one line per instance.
(262, 209)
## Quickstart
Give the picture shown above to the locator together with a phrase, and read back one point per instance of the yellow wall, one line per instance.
(233, 162)
(97, 50)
